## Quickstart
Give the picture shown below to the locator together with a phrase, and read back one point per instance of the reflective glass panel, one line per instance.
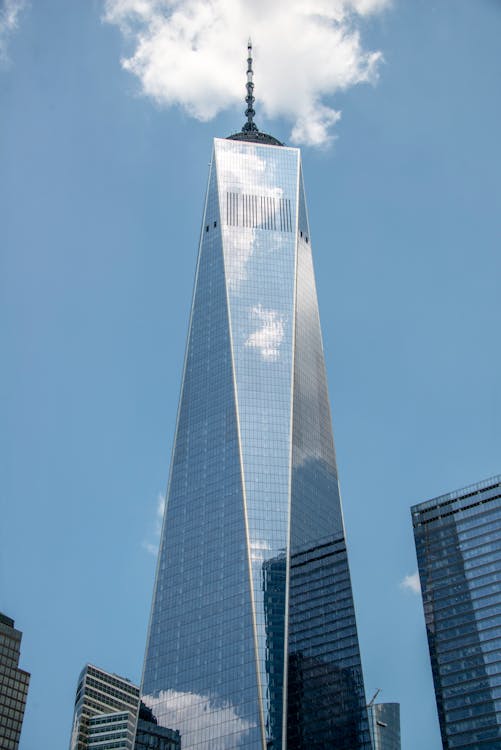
(458, 544)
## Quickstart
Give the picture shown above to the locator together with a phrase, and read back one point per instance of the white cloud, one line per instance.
(191, 53)
(411, 583)
(10, 11)
(269, 337)
(199, 719)
(259, 550)
(149, 546)
(160, 513)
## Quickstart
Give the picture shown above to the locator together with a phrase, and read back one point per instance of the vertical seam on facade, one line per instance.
(174, 443)
(317, 313)
(244, 496)
(291, 429)
(307, 228)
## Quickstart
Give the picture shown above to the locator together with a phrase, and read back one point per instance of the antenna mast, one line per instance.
(250, 126)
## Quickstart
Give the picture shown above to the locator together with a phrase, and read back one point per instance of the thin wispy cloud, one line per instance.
(10, 14)
(149, 545)
(191, 54)
(411, 583)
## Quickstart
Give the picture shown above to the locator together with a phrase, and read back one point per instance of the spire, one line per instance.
(250, 126)
(250, 131)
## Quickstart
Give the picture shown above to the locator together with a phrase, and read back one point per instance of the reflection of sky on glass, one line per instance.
(199, 719)
(260, 272)
(235, 434)
(200, 668)
(243, 169)
(268, 337)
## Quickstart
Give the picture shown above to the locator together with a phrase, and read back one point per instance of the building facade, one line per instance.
(14, 684)
(384, 725)
(106, 708)
(458, 544)
(252, 640)
(109, 731)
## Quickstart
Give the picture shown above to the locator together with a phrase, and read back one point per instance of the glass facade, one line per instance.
(150, 736)
(384, 725)
(14, 683)
(252, 640)
(458, 544)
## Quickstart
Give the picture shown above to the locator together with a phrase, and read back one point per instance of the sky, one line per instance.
(107, 114)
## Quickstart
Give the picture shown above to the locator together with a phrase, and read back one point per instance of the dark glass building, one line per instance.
(14, 683)
(252, 639)
(384, 725)
(151, 736)
(458, 544)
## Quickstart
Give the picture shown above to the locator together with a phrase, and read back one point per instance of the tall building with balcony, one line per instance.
(458, 545)
(106, 709)
(252, 641)
(109, 716)
(14, 684)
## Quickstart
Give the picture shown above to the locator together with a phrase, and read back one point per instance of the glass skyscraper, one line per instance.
(458, 544)
(384, 725)
(252, 640)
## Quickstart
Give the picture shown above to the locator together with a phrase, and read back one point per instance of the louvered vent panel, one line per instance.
(258, 212)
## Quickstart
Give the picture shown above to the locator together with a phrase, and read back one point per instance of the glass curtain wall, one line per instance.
(458, 544)
(253, 535)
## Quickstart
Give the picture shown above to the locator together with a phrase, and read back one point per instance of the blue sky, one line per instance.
(101, 195)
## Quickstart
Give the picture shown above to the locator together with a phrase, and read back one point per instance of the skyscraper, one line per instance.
(252, 640)
(106, 708)
(14, 683)
(458, 544)
(384, 725)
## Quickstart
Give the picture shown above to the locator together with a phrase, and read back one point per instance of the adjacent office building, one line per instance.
(384, 725)
(106, 708)
(107, 731)
(14, 683)
(458, 544)
(108, 712)
(252, 640)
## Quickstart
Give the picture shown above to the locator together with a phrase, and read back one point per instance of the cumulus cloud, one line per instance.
(200, 720)
(269, 336)
(411, 583)
(10, 12)
(191, 53)
(152, 546)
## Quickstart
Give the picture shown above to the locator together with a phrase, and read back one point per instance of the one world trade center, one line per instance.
(252, 641)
